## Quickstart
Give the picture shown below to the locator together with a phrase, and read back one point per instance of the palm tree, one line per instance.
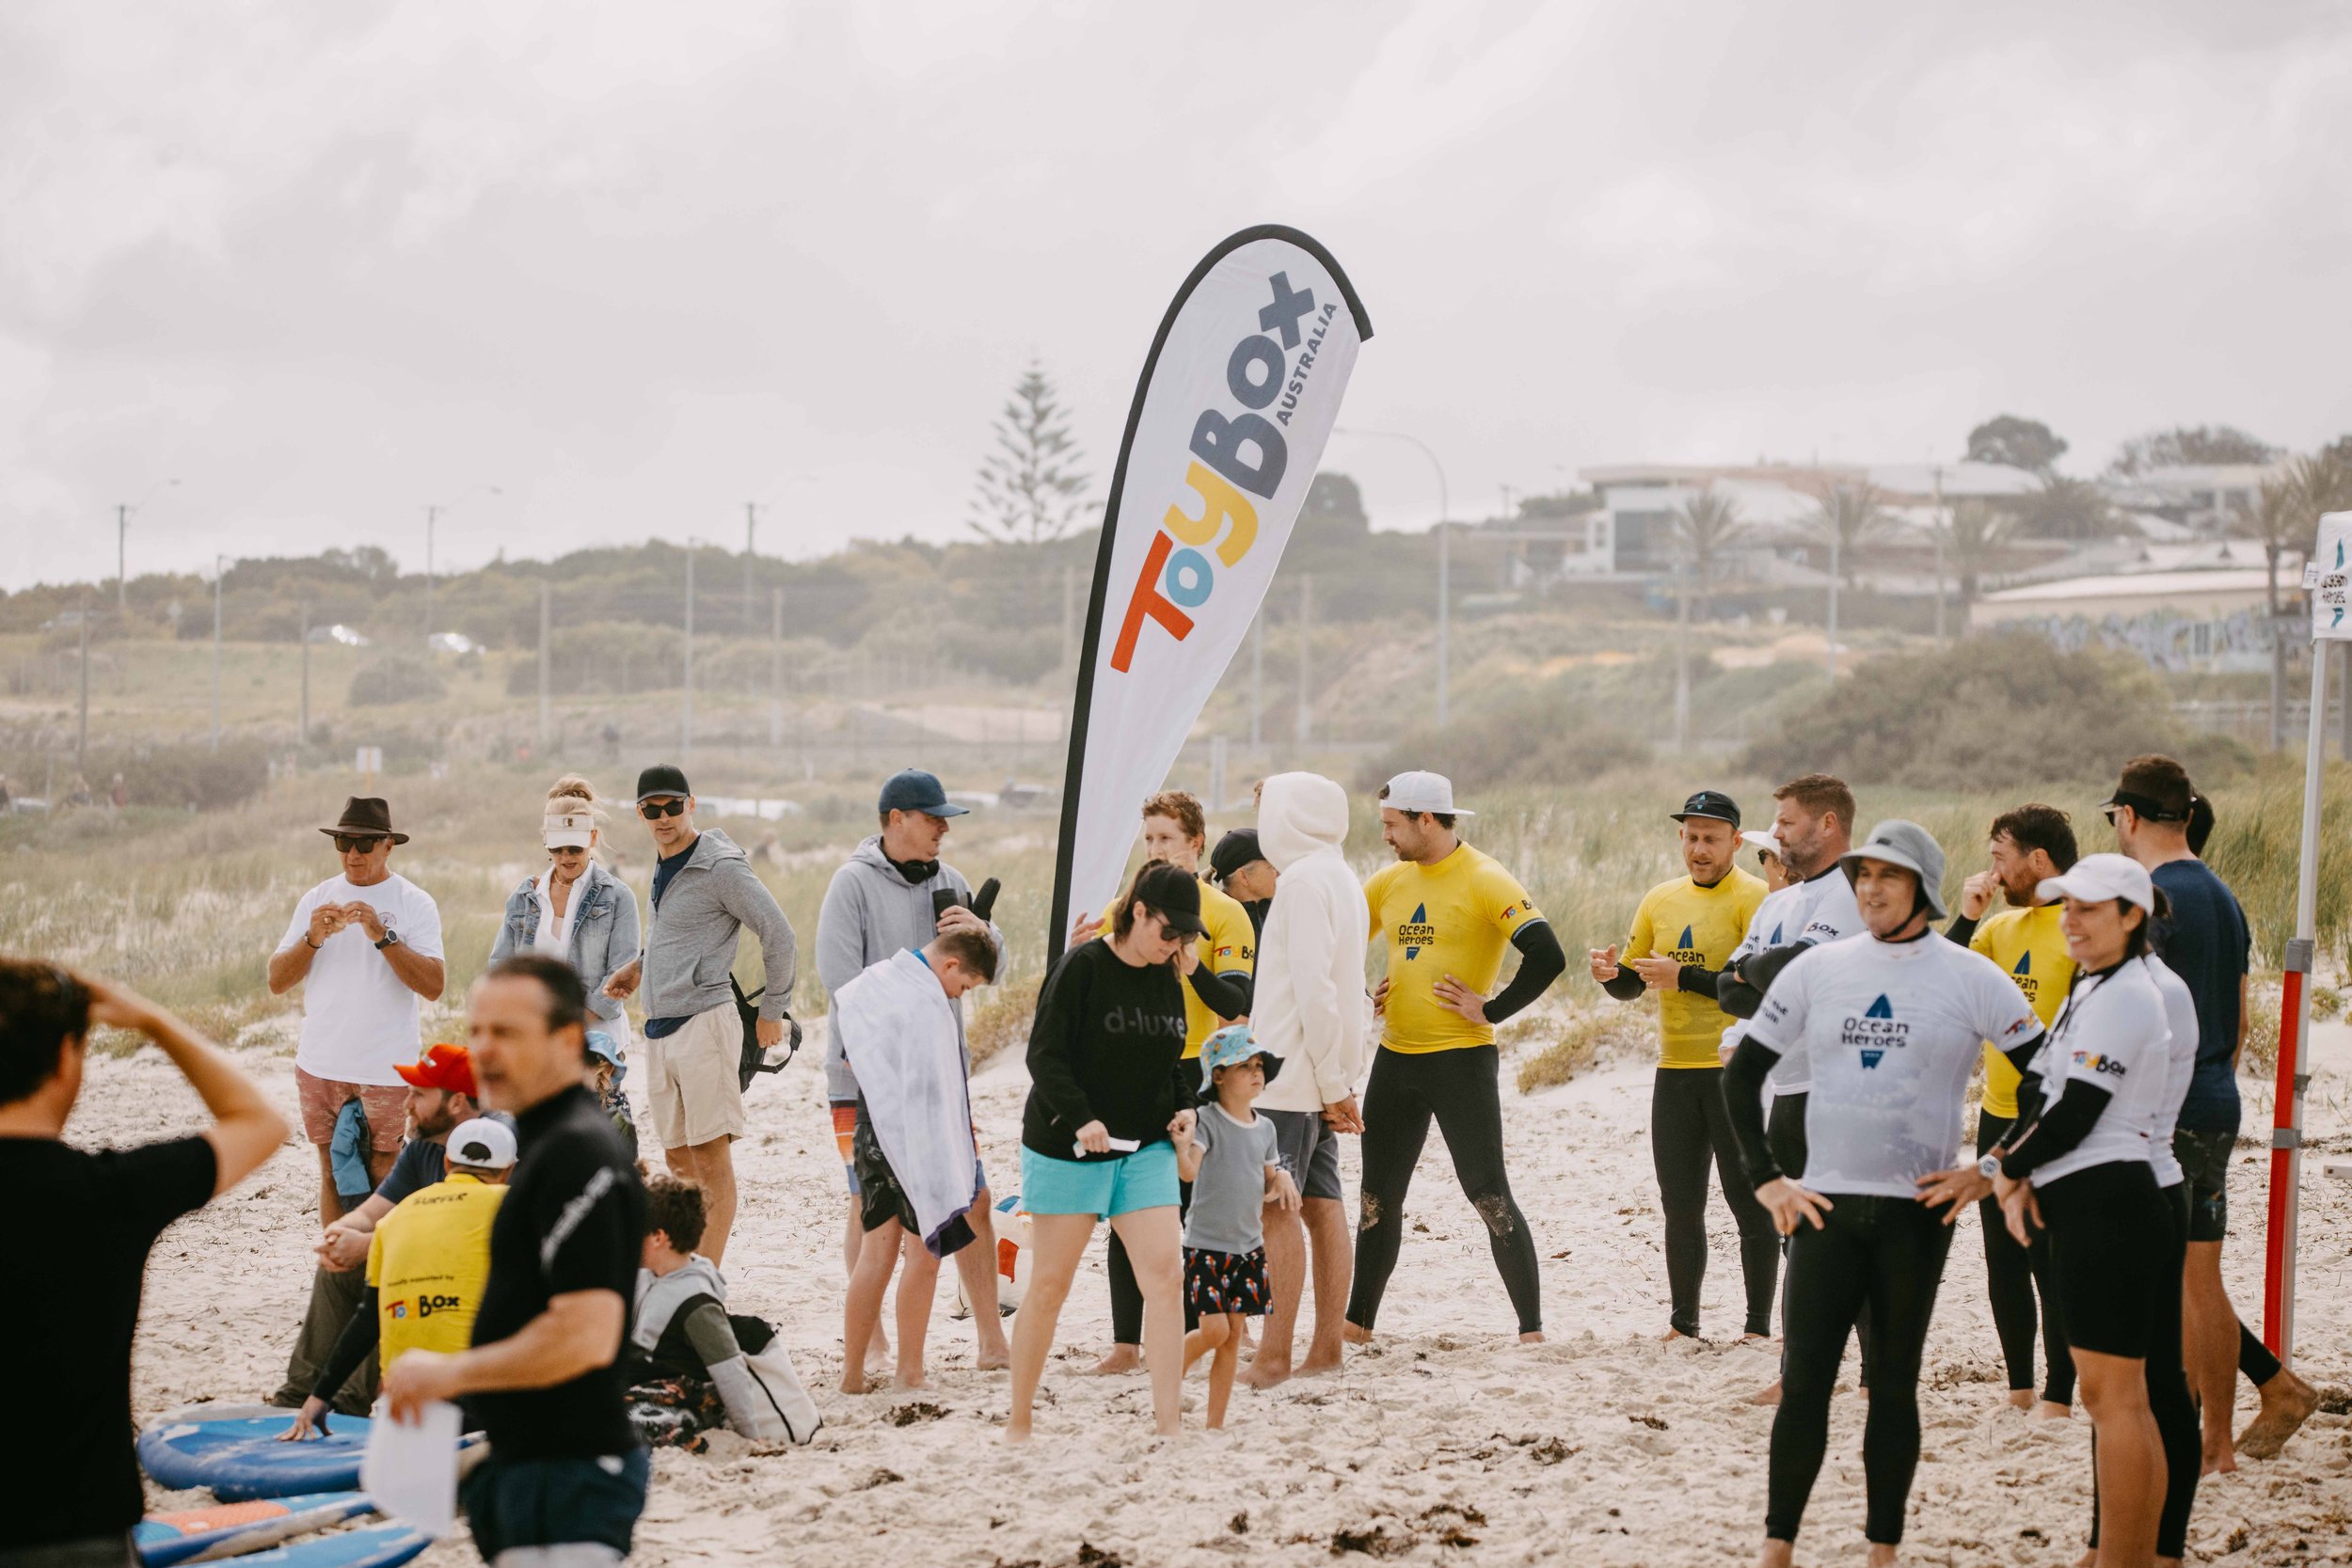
(1972, 541)
(2273, 521)
(1705, 528)
(1850, 521)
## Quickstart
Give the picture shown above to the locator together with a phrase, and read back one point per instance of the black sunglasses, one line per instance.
(673, 805)
(346, 844)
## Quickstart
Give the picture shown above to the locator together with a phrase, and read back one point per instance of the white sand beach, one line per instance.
(1447, 1442)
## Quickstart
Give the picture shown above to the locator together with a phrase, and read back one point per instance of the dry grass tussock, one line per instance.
(1555, 1045)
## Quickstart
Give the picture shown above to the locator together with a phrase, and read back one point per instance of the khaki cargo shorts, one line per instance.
(692, 1083)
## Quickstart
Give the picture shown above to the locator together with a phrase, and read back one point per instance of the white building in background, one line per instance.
(2203, 498)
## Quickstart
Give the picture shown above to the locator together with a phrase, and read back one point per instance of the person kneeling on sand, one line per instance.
(690, 1363)
(918, 1171)
(1233, 1157)
(428, 1260)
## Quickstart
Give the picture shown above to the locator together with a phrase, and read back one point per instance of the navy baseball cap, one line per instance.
(662, 779)
(1711, 803)
(911, 789)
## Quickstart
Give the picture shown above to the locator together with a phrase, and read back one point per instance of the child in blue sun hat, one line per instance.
(1231, 1158)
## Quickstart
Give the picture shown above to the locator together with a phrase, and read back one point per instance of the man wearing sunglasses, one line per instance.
(704, 894)
(364, 946)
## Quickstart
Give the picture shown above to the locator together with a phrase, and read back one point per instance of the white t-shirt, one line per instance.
(357, 1018)
(1891, 1032)
(2180, 1016)
(2110, 1035)
(555, 933)
(1819, 910)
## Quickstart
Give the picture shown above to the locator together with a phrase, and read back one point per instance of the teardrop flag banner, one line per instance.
(1237, 399)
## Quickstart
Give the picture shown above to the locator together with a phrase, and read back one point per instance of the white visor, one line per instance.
(568, 829)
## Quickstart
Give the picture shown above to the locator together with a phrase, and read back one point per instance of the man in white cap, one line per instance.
(1446, 912)
(428, 1260)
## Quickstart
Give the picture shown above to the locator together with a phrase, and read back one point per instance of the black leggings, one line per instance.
(2168, 1399)
(1126, 1295)
(1786, 1131)
(1689, 1130)
(1458, 1090)
(2014, 1278)
(1886, 1253)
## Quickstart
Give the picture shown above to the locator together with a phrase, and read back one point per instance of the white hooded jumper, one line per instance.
(1310, 1006)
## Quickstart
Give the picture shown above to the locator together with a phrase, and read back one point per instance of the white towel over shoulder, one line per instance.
(903, 1045)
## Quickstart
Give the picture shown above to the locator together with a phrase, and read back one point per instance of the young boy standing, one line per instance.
(1231, 1157)
(918, 1171)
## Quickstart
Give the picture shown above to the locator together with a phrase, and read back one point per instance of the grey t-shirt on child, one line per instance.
(1229, 1194)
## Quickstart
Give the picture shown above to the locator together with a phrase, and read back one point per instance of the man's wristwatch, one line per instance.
(1990, 1166)
(391, 939)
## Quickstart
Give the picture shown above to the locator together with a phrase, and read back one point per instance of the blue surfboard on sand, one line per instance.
(231, 1529)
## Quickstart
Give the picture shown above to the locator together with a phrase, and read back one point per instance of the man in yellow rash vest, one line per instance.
(2027, 843)
(1682, 936)
(1217, 991)
(427, 1261)
(1446, 912)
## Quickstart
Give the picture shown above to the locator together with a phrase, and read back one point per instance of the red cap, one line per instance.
(441, 1067)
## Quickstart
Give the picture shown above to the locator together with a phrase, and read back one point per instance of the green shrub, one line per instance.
(1995, 713)
(1545, 737)
(395, 679)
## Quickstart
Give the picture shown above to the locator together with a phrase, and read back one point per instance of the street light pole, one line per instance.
(1445, 562)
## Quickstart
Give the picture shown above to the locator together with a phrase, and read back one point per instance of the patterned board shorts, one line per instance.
(1220, 1282)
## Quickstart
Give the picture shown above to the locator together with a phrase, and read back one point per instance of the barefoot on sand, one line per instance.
(2287, 1404)
(1118, 1362)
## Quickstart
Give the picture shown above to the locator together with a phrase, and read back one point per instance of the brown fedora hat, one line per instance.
(366, 816)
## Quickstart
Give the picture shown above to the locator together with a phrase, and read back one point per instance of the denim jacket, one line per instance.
(603, 935)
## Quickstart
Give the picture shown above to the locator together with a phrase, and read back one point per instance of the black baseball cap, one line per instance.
(1710, 803)
(1176, 895)
(662, 778)
(911, 789)
(1233, 851)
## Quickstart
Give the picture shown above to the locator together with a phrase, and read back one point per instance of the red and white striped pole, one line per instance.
(2330, 584)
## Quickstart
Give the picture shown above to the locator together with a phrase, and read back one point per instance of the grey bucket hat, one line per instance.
(1909, 845)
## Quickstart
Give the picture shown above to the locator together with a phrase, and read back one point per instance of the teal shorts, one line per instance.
(1103, 1188)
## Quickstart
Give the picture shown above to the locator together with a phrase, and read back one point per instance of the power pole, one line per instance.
(1682, 661)
(220, 571)
(686, 734)
(81, 738)
(751, 531)
(304, 739)
(1305, 644)
(547, 655)
(432, 516)
(1835, 539)
(123, 558)
(775, 668)
(1445, 606)
(1941, 523)
(1256, 680)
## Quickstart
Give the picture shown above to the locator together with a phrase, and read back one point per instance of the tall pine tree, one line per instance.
(1028, 489)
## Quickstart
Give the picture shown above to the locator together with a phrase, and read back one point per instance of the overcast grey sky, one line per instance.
(638, 264)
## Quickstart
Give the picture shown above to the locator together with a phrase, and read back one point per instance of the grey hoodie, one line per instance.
(871, 912)
(690, 944)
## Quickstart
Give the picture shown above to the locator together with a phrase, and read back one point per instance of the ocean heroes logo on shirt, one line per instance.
(1877, 1029)
(2026, 981)
(1685, 951)
(1416, 933)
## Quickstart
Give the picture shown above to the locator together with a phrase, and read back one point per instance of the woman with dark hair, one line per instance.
(2082, 1167)
(1106, 1092)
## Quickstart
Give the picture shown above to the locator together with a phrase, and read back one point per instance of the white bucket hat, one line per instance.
(1429, 792)
(2095, 879)
(1764, 839)
(568, 830)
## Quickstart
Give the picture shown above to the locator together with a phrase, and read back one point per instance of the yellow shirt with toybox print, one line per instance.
(1452, 918)
(1693, 924)
(1230, 948)
(2028, 945)
(428, 1261)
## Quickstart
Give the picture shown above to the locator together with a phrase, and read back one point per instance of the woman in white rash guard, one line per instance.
(2082, 1166)
(1890, 1024)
